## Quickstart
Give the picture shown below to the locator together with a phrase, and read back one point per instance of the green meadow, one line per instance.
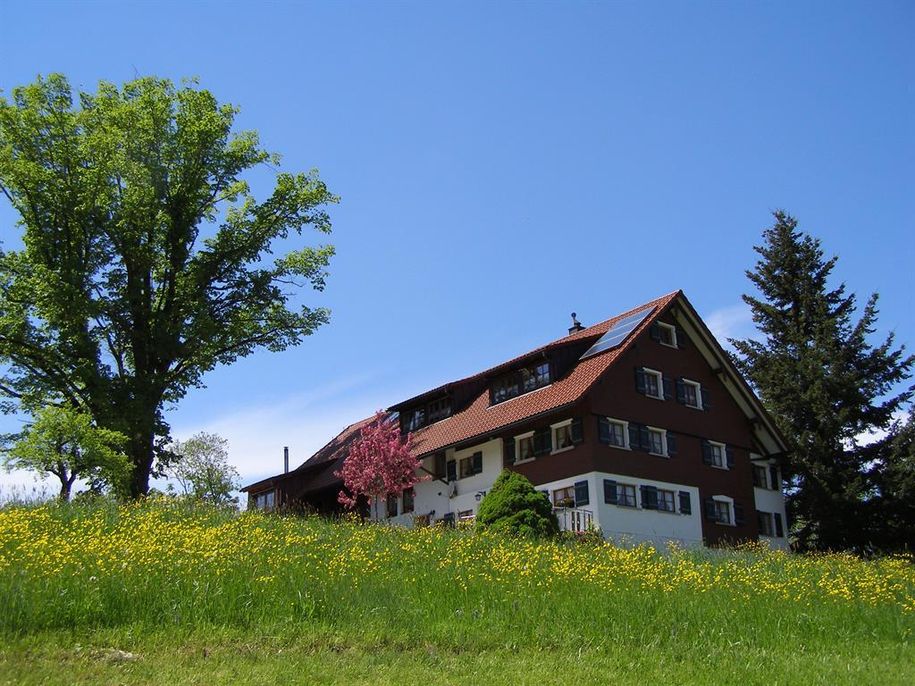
(167, 593)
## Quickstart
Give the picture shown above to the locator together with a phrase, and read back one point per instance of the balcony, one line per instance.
(574, 519)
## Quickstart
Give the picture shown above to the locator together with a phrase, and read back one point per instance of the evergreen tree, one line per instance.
(822, 380)
(514, 507)
(891, 513)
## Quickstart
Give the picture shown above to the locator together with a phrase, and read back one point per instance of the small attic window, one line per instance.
(667, 334)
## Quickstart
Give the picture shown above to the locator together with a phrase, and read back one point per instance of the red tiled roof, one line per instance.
(480, 417)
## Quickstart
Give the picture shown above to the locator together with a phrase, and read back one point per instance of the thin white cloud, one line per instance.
(733, 321)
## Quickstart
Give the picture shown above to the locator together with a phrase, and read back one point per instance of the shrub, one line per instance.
(512, 506)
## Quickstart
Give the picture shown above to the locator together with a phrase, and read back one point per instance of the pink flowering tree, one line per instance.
(379, 463)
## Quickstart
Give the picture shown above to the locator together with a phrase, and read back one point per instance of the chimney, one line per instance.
(285, 459)
(576, 325)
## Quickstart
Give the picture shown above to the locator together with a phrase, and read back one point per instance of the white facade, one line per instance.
(770, 500)
(621, 522)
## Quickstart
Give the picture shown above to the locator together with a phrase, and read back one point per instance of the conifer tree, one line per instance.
(823, 381)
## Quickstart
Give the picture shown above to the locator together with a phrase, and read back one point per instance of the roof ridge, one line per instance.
(587, 332)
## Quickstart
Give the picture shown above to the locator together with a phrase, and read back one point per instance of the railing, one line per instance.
(573, 519)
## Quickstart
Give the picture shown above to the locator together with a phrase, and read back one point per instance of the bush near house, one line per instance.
(514, 507)
(175, 592)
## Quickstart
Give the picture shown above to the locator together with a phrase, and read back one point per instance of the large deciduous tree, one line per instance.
(145, 259)
(379, 463)
(824, 382)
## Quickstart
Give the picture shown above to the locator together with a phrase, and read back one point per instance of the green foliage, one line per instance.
(146, 259)
(823, 381)
(68, 445)
(512, 506)
(201, 467)
(891, 512)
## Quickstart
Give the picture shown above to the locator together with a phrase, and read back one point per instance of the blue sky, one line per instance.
(501, 165)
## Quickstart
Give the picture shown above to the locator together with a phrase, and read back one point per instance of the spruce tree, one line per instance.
(819, 376)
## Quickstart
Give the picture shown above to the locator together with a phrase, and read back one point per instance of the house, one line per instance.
(639, 425)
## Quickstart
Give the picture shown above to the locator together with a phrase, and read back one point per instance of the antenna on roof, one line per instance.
(576, 325)
(285, 459)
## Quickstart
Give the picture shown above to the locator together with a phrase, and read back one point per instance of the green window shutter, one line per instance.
(710, 511)
(603, 430)
(671, 444)
(738, 515)
(649, 498)
(640, 380)
(729, 456)
(452, 470)
(439, 465)
(644, 438)
(543, 441)
(477, 462)
(686, 507)
(635, 437)
(581, 493)
(706, 399)
(609, 491)
(508, 456)
(707, 453)
(779, 530)
(655, 332)
(576, 431)
(681, 392)
(668, 391)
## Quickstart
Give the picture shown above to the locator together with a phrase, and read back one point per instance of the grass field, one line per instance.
(165, 593)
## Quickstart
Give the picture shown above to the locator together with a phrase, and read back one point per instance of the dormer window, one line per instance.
(418, 417)
(520, 381)
(414, 419)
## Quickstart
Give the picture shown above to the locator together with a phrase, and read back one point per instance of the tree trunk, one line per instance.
(142, 454)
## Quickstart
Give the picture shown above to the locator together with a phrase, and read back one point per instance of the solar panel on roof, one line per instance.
(618, 333)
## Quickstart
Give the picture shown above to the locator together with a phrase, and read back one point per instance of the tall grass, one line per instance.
(170, 564)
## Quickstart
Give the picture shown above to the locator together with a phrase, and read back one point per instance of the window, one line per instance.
(657, 441)
(759, 476)
(414, 419)
(666, 501)
(722, 512)
(418, 417)
(653, 383)
(717, 455)
(689, 393)
(265, 500)
(652, 440)
(465, 516)
(625, 495)
(471, 465)
(520, 381)
(392, 505)
(562, 436)
(409, 496)
(525, 447)
(564, 497)
(667, 334)
(439, 409)
(764, 520)
(613, 432)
